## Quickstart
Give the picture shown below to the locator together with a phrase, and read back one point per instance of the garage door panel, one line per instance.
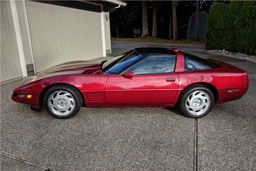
(63, 34)
(10, 60)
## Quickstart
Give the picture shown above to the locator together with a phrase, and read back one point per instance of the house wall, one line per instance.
(10, 57)
(60, 34)
(25, 35)
(35, 36)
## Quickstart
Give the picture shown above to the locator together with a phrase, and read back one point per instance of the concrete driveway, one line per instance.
(132, 138)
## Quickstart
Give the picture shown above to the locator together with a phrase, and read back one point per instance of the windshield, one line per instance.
(108, 64)
(124, 63)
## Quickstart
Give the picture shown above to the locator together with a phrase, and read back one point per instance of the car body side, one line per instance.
(93, 86)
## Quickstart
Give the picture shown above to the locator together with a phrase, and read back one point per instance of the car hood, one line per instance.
(75, 67)
(68, 68)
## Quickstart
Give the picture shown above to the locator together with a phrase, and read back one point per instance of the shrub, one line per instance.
(232, 27)
(251, 32)
(253, 37)
(215, 26)
(241, 28)
(230, 16)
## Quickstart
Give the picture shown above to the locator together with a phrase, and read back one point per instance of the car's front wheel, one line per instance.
(196, 101)
(62, 101)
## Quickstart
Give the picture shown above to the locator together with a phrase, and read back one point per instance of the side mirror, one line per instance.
(128, 74)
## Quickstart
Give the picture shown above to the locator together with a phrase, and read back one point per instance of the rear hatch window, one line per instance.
(193, 63)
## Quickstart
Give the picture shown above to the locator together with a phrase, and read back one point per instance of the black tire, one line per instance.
(35, 109)
(202, 104)
(62, 101)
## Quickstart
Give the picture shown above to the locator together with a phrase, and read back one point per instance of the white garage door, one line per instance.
(10, 61)
(61, 34)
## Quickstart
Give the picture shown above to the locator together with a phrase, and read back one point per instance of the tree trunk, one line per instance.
(175, 30)
(144, 19)
(117, 35)
(170, 25)
(197, 21)
(154, 28)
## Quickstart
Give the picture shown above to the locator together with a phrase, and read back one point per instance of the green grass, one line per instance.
(124, 39)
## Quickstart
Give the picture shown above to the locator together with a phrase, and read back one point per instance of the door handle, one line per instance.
(170, 79)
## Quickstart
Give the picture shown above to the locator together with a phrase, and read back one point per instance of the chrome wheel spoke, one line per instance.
(189, 104)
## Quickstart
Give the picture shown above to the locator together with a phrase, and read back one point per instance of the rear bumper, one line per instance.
(225, 96)
(33, 101)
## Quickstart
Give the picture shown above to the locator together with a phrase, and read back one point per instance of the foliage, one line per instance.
(112, 10)
(125, 18)
(215, 26)
(241, 28)
(160, 41)
(250, 42)
(230, 16)
(239, 25)
(175, 4)
(129, 17)
(244, 28)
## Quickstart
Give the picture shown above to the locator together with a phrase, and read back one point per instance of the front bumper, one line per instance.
(20, 96)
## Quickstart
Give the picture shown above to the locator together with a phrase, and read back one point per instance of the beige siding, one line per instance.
(24, 31)
(10, 61)
(107, 32)
(61, 34)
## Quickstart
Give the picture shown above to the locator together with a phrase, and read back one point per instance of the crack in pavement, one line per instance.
(24, 160)
(195, 162)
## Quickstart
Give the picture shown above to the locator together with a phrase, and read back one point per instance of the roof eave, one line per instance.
(116, 2)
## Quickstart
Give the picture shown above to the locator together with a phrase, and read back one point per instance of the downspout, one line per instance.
(118, 6)
(103, 32)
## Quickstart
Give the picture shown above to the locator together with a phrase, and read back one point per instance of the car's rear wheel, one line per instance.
(196, 101)
(62, 101)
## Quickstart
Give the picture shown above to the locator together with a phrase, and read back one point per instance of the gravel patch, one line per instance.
(234, 54)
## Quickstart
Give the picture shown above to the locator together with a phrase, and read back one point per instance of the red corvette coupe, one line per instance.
(143, 77)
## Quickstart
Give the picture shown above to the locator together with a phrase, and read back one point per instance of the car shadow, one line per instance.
(175, 110)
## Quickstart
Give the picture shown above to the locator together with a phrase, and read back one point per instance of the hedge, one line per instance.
(215, 26)
(230, 16)
(232, 27)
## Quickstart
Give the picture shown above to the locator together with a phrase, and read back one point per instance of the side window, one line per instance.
(154, 65)
(193, 65)
(125, 62)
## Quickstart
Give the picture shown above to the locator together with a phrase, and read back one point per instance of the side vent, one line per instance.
(94, 97)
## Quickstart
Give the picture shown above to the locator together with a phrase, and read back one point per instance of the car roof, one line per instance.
(164, 51)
